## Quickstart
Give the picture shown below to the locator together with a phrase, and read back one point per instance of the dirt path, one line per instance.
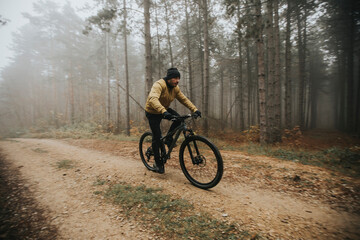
(79, 214)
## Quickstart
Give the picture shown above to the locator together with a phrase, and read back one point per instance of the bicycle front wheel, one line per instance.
(201, 162)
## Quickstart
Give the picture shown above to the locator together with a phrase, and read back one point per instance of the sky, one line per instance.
(12, 10)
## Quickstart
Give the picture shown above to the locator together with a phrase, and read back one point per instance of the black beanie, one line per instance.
(172, 73)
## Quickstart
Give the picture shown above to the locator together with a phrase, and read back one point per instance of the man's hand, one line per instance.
(197, 114)
(168, 116)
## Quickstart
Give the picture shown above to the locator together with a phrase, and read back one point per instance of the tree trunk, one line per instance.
(301, 54)
(350, 69)
(357, 113)
(55, 98)
(306, 78)
(206, 67)
(118, 103)
(158, 44)
(270, 71)
(127, 99)
(277, 85)
(107, 76)
(148, 58)
(341, 86)
(201, 56)
(71, 96)
(222, 94)
(249, 83)
(288, 67)
(168, 34)
(261, 73)
(240, 79)
(188, 49)
(313, 91)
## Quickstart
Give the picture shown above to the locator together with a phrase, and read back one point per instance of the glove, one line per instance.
(197, 114)
(168, 116)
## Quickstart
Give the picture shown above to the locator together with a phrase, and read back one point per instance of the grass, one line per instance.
(170, 217)
(343, 160)
(336, 159)
(80, 134)
(76, 131)
(99, 182)
(65, 164)
(39, 150)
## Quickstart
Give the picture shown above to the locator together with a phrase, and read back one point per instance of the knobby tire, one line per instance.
(144, 144)
(208, 171)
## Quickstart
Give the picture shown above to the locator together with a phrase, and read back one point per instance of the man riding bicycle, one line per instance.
(162, 93)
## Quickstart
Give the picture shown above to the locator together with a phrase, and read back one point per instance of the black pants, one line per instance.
(154, 122)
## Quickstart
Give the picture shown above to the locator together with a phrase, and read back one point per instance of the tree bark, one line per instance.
(261, 73)
(107, 76)
(288, 67)
(188, 49)
(222, 94)
(71, 96)
(158, 43)
(277, 85)
(118, 101)
(206, 66)
(168, 34)
(201, 56)
(350, 69)
(357, 113)
(271, 69)
(240, 79)
(127, 99)
(301, 55)
(249, 84)
(148, 57)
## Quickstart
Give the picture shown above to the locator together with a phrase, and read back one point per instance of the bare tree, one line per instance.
(107, 73)
(261, 73)
(301, 34)
(188, 51)
(240, 79)
(168, 36)
(277, 87)
(158, 49)
(288, 67)
(126, 72)
(206, 79)
(270, 72)
(148, 57)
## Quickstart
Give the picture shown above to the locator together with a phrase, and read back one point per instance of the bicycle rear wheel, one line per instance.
(145, 150)
(201, 162)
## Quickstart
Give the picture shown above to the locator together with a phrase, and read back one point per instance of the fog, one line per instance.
(292, 65)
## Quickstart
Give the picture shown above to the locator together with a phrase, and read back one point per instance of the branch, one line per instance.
(227, 115)
(131, 97)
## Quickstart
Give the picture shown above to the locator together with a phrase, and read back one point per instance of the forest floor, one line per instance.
(267, 197)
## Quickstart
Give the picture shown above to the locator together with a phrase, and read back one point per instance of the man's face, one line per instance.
(173, 81)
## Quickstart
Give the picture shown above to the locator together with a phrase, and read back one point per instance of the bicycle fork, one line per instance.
(198, 159)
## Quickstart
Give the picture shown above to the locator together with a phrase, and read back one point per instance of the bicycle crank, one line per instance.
(149, 153)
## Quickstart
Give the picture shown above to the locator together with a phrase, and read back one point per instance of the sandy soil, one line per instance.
(279, 200)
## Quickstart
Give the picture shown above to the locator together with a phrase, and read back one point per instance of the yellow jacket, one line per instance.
(161, 96)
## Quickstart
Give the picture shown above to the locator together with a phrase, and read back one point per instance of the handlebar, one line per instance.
(183, 117)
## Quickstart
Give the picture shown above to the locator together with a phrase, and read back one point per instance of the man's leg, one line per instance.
(154, 122)
(174, 125)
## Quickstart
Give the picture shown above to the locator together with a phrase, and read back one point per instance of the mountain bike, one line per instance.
(200, 160)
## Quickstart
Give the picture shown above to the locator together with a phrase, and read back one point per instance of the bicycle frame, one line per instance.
(176, 132)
